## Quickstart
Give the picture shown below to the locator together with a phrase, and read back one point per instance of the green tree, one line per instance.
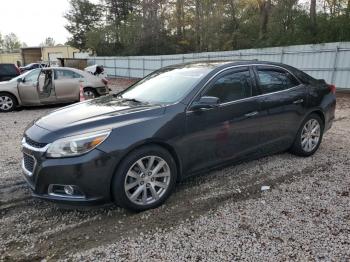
(147, 27)
(11, 42)
(83, 17)
(1, 41)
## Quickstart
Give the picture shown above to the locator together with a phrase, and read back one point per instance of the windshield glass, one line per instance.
(166, 86)
(27, 75)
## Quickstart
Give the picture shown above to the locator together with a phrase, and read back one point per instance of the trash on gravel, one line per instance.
(265, 188)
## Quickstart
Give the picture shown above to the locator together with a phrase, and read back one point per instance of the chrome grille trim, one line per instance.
(35, 149)
(24, 168)
(34, 143)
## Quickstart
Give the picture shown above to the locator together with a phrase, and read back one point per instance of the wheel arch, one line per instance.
(318, 112)
(87, 87)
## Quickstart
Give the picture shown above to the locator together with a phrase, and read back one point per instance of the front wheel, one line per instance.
(7, 102)
(309, 136)
(144, 179)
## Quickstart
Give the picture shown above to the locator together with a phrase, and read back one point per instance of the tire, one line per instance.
(90, 93)
(301, 145)
(139, 189)
(8, 102)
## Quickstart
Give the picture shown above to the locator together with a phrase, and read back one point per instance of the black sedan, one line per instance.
(132, 147)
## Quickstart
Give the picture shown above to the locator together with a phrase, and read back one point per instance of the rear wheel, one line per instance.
(7, 102)
(90, 93)
(144, 179)
(309, 136)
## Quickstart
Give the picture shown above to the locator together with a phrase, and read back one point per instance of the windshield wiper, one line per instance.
(128, 99)
(132, 100)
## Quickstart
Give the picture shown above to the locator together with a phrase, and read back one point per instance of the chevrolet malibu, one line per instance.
(131, 148)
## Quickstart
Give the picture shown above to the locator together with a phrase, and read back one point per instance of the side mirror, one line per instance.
(20, 80)
(206, 102)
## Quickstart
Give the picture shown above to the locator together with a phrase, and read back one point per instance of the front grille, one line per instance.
(29, 162)
(34, 144)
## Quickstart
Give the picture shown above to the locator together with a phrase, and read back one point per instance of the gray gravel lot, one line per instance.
(221, 215)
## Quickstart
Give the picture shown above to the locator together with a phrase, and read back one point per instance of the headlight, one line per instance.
(76, 145)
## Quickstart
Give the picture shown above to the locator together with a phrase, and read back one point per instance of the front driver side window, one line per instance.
(231, 86)
(32, 76)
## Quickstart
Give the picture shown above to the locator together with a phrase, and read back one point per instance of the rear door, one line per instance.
(283, 106)
(66, 84)
(228, 131)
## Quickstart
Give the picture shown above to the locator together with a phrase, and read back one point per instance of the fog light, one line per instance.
(69, 190)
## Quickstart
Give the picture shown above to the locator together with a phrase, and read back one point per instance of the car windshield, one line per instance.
(166, 86)
(24, 75)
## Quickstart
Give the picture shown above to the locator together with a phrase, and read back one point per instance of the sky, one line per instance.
(34, 20)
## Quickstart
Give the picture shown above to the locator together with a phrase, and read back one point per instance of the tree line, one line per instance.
(135, 27)
(11, 42)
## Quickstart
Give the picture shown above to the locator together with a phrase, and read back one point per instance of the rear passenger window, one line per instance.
(231, 87)
(273, 80)
(65, 74)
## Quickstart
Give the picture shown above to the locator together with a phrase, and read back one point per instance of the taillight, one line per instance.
(104, 81)
(332, 88)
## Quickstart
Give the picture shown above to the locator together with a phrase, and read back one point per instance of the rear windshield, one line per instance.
(8, 69)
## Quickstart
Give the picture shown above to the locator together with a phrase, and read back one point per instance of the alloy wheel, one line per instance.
(147, 180)
(6, 103)
(310, 135)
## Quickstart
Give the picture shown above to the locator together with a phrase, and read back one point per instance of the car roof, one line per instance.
(213, 64)
(64, 68)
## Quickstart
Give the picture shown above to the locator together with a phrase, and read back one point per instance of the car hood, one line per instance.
(7, 84)
(101, 113)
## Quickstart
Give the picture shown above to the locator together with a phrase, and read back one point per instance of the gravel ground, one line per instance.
(221, 215)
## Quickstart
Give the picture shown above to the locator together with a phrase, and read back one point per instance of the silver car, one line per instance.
(44, 86)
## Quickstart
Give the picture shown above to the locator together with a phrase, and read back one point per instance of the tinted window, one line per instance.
(232, 86)
(65, 74)
(8, 69)
(303, 77)
(273, 80)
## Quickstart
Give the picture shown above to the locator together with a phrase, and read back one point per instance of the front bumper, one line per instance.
(90, 173)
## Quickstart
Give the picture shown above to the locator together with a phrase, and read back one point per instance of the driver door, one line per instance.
(46, 88)
(228, 131)
(27, 88)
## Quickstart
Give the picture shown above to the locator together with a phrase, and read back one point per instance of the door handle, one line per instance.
(298, 101)
(251, 114)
